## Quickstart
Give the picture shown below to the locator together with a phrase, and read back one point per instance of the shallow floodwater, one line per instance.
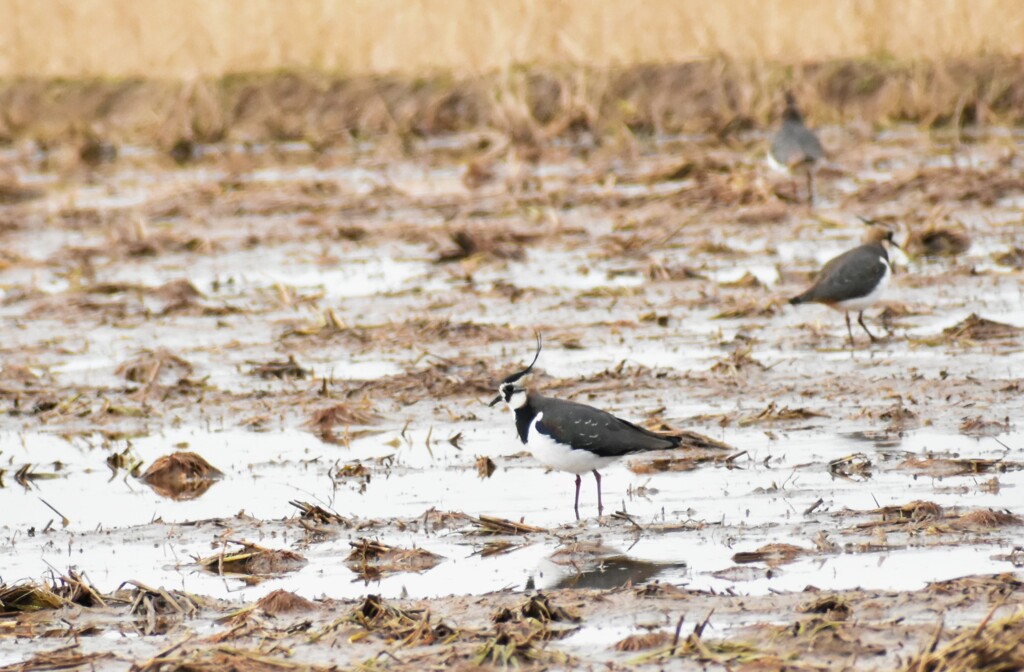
(145, 306)
(741, 508)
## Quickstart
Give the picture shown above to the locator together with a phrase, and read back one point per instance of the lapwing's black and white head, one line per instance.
(514, 395)
(572, 437)
(857, 279)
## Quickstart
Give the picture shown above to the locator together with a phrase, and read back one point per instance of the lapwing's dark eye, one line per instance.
(506, 392)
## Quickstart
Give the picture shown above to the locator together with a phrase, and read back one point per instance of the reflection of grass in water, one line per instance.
(188, 37)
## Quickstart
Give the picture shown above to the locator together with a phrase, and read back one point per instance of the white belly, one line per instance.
(776, 166)
(865, 302)
(559, 457)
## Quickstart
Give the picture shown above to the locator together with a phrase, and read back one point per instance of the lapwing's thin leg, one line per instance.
(600, 504)
(577, 507)
(860, 321)
(849, 329)
(810, 187)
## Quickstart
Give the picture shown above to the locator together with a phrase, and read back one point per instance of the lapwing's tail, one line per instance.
(802, 298)
(662, 442)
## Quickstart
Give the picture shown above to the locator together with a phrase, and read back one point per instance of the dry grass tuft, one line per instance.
(990, 647)
(773, 555)
(921, 515)
(523, 642)
(281, 369)
(987, 586)
(485, 525)
(975, 328)
(157, 610)
(987, 519)
(538, 607)
(62, 659)
(326, 419)
(405, 627)
(480, 245)
(1013, 257)
(980, 426)
(485, 466)
(27, 597)
(938, 237)
(650, 640)
(252, 559)
(318, 514)
(738, 362)
(283, 602)
(915, 511)
(442, 379)
(940, 467)
(372, 559)
(155, 367)
(855, 466)
(76, 589)
(772, 413)
(832, 607)
(747, 306)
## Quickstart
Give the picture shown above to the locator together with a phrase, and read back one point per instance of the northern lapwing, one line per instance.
(795, 148)
(855, 280)
(567, 436)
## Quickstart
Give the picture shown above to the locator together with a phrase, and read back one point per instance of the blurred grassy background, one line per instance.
(328, 71)
(190, 38)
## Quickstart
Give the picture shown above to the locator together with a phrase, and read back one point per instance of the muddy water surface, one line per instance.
(326, 331)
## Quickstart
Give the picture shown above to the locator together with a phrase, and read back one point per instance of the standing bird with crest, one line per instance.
(573, 437)
(856, 279)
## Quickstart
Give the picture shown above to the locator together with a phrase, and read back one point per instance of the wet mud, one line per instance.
(245, 419)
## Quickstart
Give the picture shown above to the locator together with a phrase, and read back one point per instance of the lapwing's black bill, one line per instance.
(795, 148)
(572, 437)
(855, 280)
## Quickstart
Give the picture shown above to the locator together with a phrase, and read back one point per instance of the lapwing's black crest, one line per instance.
(855, 280)
(573, 437)
(508, 387)
(795, 148)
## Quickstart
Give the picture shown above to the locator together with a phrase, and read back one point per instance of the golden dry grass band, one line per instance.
(529, 105)
(123, 38)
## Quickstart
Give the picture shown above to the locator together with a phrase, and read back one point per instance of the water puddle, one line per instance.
(763, 496)
(326, 331)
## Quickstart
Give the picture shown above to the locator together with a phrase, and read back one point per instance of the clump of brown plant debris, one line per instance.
(773, 555)
(181, 476)
(283, 602)
(372, 559)
(989, 647)
(405, 627)
(938, 236)
(975, 328)
(253, 560)
(324, 420)
(27, 596)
